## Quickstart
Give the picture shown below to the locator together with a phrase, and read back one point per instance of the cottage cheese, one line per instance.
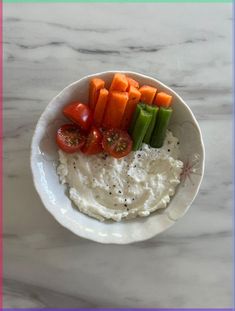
(136, 185)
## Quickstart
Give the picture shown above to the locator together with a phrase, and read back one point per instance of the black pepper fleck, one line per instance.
(110, 193)
(178, 143)
(105, 157)
(120, 191)
(125, 205)
(169, 150)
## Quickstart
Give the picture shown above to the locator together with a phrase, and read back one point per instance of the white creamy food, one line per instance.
(136, 185)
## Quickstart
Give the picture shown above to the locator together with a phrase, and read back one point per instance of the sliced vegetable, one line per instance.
(154, 111)
(96, 85)
(147, 94)
(140, 129)
(93, 144)
(160, 128)
(115, 109)
(163, 100)
(132, 82)
(70, 138)
(119, 83)
(100, 107)
(80, 114)
(117, 143)
(135, 116)
(134, 97)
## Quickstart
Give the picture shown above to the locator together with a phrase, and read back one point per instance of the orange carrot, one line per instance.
(100, 107)
(163, 100)
(115, 108)
(95, 85)
(134, 97)
(147, 94)
(132, 82)
(119, 83)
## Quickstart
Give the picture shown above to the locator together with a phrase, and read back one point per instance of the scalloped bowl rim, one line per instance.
(62, 220)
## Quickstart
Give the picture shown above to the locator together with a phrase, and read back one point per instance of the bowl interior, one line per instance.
(44, 160)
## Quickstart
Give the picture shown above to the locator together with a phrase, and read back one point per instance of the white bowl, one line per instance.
(44, 160)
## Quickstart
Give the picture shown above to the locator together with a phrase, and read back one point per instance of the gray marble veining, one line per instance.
(187, 46)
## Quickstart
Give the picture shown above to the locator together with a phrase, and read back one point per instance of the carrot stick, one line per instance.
(132, 82)
(95, 85)
(100, 107)
(134, 97)
(115, 108)
(163, 100)
(119, 83)
(147, 94)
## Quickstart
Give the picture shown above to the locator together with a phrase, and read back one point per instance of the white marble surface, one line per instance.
(187, 46)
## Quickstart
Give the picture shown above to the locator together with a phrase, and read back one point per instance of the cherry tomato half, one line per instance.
(80, 114)
(70, 138)
(93, 144)
(117, 143)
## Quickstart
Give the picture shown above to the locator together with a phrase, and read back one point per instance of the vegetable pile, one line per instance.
(116, 120)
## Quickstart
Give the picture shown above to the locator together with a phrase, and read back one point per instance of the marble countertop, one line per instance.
(187, 46)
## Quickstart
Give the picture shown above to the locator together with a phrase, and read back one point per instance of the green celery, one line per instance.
(159, 132)
(135, 116)
(154, 111)
(141, 126)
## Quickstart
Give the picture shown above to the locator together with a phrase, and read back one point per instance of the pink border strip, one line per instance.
(1, 158)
